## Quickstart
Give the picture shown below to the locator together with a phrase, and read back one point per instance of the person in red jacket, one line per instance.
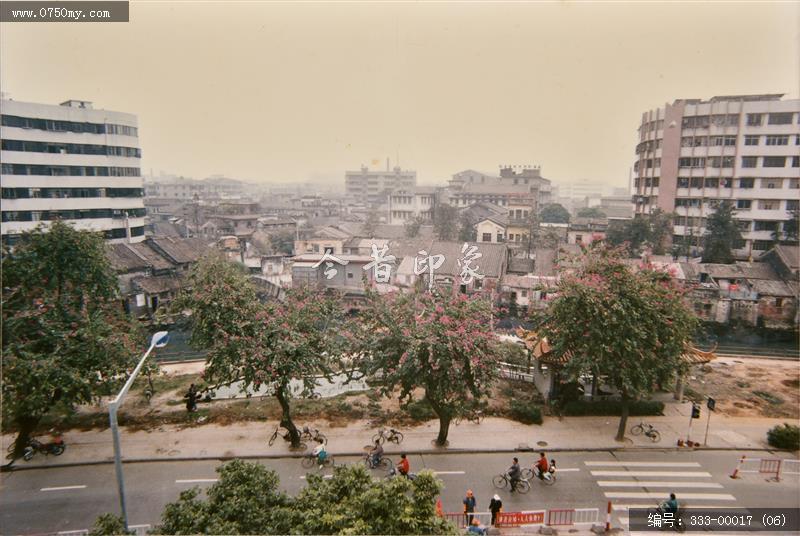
(403, 467)
(542, 465)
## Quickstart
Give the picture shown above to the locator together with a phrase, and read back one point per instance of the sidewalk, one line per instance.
(492, 435)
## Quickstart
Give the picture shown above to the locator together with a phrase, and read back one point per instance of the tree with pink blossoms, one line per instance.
(629, 326)
(441, 342)
(264, 344)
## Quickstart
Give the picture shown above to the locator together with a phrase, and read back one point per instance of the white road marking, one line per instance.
(642, 464)
(660, 495)
(653, 505)
(654, 484)
(448, 472)
(62, 488)
(196, 480)
(653, 473)
(567, 470)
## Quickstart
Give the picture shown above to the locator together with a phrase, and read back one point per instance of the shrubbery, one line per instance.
(612, 407)
(526, 411)
(420, 410)
(784, 436)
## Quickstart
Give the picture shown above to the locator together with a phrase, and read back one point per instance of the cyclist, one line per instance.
(514, 474)
(403, 466)
(320, 453)
(671, 505)
(542, 466)
(376, 453)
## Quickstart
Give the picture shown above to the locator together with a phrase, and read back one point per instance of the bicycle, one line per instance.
(502, 481)
(393, 436)
(548, 479)
(311, 460)
(648, 430)
(286, 437)
(475, 417)
(149, 390)
(313, 435)
(384, 463)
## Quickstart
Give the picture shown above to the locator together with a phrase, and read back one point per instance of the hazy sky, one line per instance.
(289, 92)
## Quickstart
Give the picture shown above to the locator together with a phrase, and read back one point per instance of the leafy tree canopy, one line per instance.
(441, 342)
(721, 236)
(554, 213)
(627, 326)
(412, 227)
(643, 231)
(268, 343)
(591, 212)
(445, 222)
(246, 500)
(66, 338)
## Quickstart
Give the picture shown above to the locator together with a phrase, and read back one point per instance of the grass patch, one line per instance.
(613, 407)
(769, 397)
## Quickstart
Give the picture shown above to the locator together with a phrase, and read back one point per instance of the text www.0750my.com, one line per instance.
(77, 11)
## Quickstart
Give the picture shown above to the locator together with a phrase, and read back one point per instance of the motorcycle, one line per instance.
(55, 447)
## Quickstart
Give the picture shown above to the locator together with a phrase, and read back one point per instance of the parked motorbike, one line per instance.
(55, 447)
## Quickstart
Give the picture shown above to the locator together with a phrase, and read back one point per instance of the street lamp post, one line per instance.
(159, 340)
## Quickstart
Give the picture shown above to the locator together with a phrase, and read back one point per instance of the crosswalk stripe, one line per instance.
(642, 464)
(654, 484)
(625, 507)
(694, 474)
(660, 495)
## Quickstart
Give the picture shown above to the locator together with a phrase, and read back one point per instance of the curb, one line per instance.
(6, 468)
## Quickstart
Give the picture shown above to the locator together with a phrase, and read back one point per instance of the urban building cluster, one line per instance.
(82, 165)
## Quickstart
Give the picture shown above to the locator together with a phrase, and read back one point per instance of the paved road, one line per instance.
(63, 499)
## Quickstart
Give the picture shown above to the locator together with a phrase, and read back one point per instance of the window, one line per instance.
(749, 161)
(487, 237)
(777, 140)
(683, 182)
(578, 239)
(761, 225)
(692, 162)
(739, 243)
(727, 183)
(744, 225)
(780, 118)
(772, 184)
(794, 184)
(728, 141)
(761, 245)
(774, 161)
(778, 302)
(754, 120)
(349, 275)
(793, 204)
(751, 140)
(697, 182)
(767, 204)
(656, 179)
(712, 182)
(499, 237)
(746, 182)
(697, 121)
(796, 161)
(743, 204)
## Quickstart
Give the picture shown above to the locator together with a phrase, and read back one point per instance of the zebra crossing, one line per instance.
(645, 484)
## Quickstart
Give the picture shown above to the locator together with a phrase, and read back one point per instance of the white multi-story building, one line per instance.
(71, 163)
(693, 154)
(373, 187)
(405, 205)
(183, 188)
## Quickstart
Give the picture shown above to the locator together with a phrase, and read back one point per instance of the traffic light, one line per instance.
(695, 411)
(711, 404)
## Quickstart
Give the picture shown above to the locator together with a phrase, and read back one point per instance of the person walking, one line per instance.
(495, 507)
(191, 398)
(469, 506)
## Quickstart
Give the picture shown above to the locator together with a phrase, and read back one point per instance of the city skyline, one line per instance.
(282, 93)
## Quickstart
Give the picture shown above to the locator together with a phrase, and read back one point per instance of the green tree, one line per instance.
(789, 233)
(282, 242)
(644, 230)
(371, 223)
(628, 327)
(554, 213)
(412, 227)
(591, 212)
(467, 232)
(445, 222)
(263, 344)
(66, 339)
(721, 236)
(109, 525)
(442, 343)
(367, 506)
(245, 500)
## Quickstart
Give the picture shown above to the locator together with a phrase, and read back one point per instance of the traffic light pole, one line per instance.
(708, 423)
(689, 431)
